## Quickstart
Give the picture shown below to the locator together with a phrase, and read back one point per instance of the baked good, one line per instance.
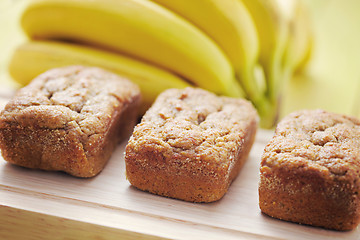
(68, 119)
(190, 145)
(310, 170)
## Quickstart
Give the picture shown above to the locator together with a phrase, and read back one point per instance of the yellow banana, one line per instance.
(34, 58)
(230, 25)
(300, 43)
(139, 28)
(273, 33)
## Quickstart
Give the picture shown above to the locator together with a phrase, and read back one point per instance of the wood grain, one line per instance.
(36, 204)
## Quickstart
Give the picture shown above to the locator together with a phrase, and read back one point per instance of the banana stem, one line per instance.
(256, 91)
(274, 76)
(253, 88)
(236, 90)
(268, 111)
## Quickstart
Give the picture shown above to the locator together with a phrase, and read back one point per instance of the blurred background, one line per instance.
(331, 80)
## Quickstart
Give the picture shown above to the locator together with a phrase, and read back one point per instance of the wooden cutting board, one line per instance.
(52, 205)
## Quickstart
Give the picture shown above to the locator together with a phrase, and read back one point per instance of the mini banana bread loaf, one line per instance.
(310, 170)
(68, 119)
(190, 145)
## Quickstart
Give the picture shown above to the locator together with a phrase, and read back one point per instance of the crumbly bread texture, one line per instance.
(310, 170)
(68, 119)
(190, 145)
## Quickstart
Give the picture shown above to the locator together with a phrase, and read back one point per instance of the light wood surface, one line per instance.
(36, 204)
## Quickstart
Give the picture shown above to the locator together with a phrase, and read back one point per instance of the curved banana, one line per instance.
(273, 32)
(299, 48)
(230, 25)
(33, 58)
(139, 28)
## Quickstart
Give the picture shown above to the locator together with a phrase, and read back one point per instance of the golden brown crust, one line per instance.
(68, 119)
(310, 170)
(190, 145)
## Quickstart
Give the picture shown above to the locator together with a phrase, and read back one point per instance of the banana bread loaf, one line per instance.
(190, 145)
(310, 170)
(68, 119)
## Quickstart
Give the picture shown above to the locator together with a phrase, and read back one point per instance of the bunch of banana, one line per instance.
(35, 57)
(231, 47)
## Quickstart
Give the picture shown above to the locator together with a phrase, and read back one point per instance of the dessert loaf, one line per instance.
(68, 119)
(190, 145)
(310, 170)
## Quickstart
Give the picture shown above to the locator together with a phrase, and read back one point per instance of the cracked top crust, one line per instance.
(195, 123)
(84, 96)
(317, 140)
